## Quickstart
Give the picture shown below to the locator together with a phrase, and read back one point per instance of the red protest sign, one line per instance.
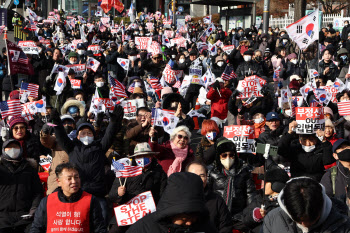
(309, 119)
(75, 83)
(143, 42)
(79, 69)
(135, 209)
(96, 49)
(333, 91)
(228, 48)
(242, 136)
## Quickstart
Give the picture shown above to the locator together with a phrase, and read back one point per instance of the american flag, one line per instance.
(122, 170)
(228, 73)
(276, 74)
(10, 108)
(118, 89)
(33, 88)
(344, 108)
(155, 84)
(23, 59)
(131, 88)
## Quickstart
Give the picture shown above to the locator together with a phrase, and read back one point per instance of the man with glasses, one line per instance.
(138, 130)
(232, 179)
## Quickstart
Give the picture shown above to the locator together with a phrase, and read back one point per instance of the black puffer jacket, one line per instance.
(333, 71)
(20, 191)
(153, 179)
(310, 164)
(97, 224)
(90, 159)
(237, 182)
(243, 69)
(183, 194)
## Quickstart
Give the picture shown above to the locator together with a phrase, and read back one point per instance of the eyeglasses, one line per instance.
(179, 136)
(229, 154)
(19, 128)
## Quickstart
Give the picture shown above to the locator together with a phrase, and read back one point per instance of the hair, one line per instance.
(142, 109)
(209, 125)
(303, 198)
(179, 129)
(258, 50)
(68, 166)
(307, 136)
(197, 162)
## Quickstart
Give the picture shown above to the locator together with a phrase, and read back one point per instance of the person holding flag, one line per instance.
(219, 96)
(152, 178)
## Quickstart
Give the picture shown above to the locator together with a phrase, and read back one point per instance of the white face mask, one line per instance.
(247, 58)
(201, 58)
(81, 52)
(132, 58)
(294, 61)
(288, 112)
(173, 56)
(181, 60)
(87, 140)
(227, 163)
(258, 120)
(294, 92)
(308, 148)
(73, 62)
(284, 41)
(220, 63)
(13, 153)
(100, 84)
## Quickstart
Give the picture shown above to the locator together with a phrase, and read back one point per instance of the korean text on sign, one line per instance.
(309, 119)
(242, 136)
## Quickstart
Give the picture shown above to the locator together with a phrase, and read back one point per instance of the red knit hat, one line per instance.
(294, 84)
(15, 120)
(14, 95)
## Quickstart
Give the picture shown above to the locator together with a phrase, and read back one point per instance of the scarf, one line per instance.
(180, 156)
(259, 126)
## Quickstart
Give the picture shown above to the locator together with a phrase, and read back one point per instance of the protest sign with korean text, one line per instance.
(242, 136)
(29, 47)
(309, 119)
(135, 209)
(130, 107)
(79, 69)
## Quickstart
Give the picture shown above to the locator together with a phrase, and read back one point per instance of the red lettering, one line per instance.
(143, 197)
(123, 208)
(143, 207)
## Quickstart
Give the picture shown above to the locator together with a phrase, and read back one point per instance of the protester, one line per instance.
(69, 206)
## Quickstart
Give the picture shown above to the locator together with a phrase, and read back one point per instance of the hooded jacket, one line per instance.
(20, 190)
(183, 194)
(279, 220)
(219, 102)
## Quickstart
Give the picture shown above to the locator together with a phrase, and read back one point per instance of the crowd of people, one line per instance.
(212, 186)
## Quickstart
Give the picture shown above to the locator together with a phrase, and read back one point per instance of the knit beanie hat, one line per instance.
(276, 175)
(15, 120)
(225, 145)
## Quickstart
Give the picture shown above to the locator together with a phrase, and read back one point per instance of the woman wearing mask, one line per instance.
(219, 66)
(292, 68)
(135, 68)
(232, 179)
(206, 148)
(175, 154)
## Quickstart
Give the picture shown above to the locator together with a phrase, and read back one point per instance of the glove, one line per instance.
(54, 117)
(99, 119)
(46, 129)
(117, 114)
(216, 85)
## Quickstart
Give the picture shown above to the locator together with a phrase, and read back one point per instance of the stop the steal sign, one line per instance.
(135, 209)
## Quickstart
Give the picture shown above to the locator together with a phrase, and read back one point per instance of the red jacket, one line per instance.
(219, 105)
(166, 156)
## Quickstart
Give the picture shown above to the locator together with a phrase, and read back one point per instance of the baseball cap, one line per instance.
(338, 143)
(271, 116)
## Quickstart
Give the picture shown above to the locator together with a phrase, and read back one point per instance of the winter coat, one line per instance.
(113, 65)
(90, 159)
(340, 182)
(333, 71)
(344, 71)
(166, 155)
(153, 179)
(175, 201)
(242, 193)
(97, 224)
(219, 104)
(219, 214)
(136, 134)
(20, 192)
(303, 163)
(279, 220)
(248, 218)
(244, 67)
(206, 151)
(58, 157)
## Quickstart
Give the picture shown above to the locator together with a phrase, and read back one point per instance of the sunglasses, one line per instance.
(229, 154)
(19, 128)
(179, 136)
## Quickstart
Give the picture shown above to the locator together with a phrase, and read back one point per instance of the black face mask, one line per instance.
(68, 129)
(173, 228)
(344, 155)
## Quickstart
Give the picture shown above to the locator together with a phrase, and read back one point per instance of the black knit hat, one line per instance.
(276, 175)
(225, 145)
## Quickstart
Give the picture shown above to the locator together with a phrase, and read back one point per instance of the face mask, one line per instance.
(73, 62)
(258, 120)
(259, 59)
(132, 58)
(288, 112)
(344, 100)
(227, 163)
(233, 33)
(240, 33)
(201, 58)
(143, 162)
(344, 155)
(344, 57)
(68, 129)
(263, 39)
(100, 84)
(87, 140)
(294, 92)
(211, 136)
(141, 34)
(81, 52)
(294, 61)
(247, 58)
(13, 153)
(304, 229)
(308, 148)
(284, 41)
(173, 56)
(220, 63)
(181, 60)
